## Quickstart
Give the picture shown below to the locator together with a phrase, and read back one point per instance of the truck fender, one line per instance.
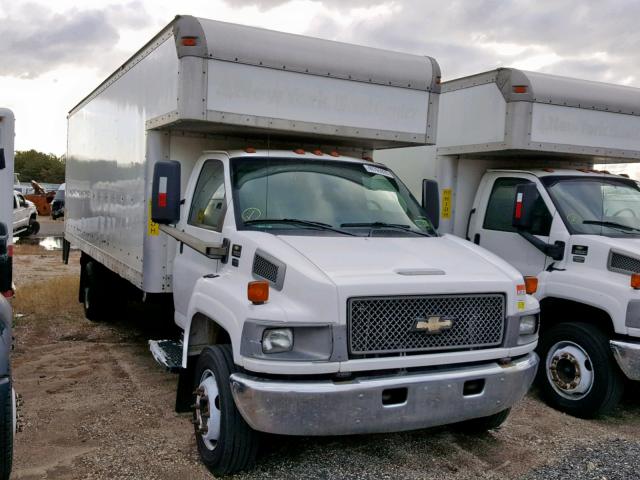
(218, 313)
(570, 291)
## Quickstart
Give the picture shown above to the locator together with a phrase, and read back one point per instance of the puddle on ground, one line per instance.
(47, 243)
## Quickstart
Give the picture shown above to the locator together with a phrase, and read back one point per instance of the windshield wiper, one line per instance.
(611, 225)
(396, 226)
(295, 221)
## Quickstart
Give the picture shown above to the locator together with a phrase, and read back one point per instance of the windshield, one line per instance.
(597, 206)
(337, 197)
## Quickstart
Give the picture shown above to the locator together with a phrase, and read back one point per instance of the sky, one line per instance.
(53, 53)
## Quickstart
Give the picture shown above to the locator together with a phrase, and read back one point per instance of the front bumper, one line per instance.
(355, 407)
(627, 355)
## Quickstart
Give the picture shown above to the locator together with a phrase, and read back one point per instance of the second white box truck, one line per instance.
(515, 163)
(227, 167)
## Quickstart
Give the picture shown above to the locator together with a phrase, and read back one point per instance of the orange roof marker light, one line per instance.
(520, 89)
(299, 151)
(334, 154)
(318, 152)
(250, 150)
(189, 41)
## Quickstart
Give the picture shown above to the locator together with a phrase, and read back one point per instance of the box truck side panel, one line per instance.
(305, 101)
(472, 116)
(585, 128)
(6, 169)
(105, 175)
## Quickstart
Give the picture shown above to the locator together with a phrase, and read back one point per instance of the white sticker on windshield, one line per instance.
(378, 170)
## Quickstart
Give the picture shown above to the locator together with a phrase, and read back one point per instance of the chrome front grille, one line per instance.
(623, 263)
(387, 325)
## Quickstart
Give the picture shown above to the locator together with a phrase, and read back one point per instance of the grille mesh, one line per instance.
(618, 261)
(386, 324)
(265, 269)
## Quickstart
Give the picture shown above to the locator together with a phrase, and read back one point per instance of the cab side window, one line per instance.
(209, 206)
(500, 208)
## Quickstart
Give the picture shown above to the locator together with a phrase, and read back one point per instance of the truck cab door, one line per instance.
(202, 216)
(492, 228)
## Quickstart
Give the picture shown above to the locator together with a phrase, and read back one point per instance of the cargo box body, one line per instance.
(200, 85)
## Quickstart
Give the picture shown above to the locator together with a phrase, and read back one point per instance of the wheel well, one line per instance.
(558, 310)
(204, 331)
(33, 217)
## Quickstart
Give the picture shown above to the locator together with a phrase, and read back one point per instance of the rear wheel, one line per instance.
(484, 424)
(578, 374)
(92, 292)
(225, 442)
(7, 426)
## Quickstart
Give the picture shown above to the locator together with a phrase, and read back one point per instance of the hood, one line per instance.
(406, 262)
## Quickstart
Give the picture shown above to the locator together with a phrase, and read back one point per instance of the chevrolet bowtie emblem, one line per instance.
(433, 324)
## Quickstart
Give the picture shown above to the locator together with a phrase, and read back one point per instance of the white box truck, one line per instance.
(7, 395)
(515, 164)
(228, 167)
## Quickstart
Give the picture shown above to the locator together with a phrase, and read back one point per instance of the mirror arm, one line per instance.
(555, 251)
(213, 251)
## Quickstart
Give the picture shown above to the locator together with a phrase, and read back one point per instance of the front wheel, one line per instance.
(225, 442)
(578, 374)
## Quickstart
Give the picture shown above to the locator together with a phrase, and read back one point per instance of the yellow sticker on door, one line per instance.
(153, 229)
(446, 203)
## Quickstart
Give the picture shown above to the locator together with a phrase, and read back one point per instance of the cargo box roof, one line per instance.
(220, 78)
(268, 48)
(554, 90)
(518, 113)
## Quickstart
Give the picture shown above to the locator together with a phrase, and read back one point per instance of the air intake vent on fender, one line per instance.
(269, 268)
(623, 263)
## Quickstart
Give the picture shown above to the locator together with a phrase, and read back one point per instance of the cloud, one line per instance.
(35, 39)
(583, 38)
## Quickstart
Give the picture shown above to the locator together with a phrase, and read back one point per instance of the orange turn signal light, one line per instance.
(531, 285)
(258, 292)
(635, 281)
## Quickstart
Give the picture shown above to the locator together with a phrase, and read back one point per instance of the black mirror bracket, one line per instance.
(555, 251)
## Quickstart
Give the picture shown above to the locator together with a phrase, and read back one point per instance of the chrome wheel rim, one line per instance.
(207, 410)
(569, 370)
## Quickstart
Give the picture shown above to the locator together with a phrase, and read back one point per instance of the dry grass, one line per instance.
(49, 297)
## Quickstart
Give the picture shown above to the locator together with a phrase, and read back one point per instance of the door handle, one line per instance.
(476, 239)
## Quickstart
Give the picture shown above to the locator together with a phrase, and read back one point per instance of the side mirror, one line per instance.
(526, 196)
(431, 201)
(165, 192)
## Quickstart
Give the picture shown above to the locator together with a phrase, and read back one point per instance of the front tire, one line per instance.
(225, 442)
(578, 374)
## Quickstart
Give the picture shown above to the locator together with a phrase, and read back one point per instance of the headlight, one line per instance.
(277, 340)
(528, 324)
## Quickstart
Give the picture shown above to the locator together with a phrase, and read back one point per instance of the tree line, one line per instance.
(39, 166)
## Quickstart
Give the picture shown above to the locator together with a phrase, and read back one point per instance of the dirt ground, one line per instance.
(97, 406)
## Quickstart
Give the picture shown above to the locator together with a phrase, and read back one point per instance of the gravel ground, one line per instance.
(97, 406)
(615, 459)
